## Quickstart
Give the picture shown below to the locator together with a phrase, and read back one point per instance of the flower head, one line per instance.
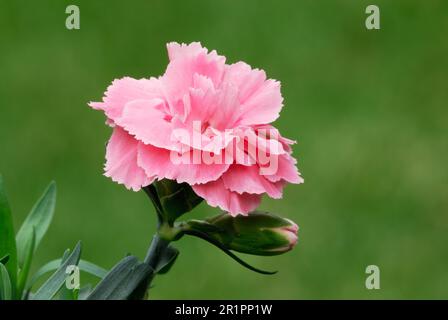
(203, 122)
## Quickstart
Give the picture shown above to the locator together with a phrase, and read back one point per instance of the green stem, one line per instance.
(155, 252)
(156, 249)
(166, 233)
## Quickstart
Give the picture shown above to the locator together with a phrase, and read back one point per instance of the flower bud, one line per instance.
(259, 233)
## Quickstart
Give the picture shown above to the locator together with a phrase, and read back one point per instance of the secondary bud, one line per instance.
(259, 233)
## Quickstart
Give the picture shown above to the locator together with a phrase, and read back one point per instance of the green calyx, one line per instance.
(172, 199)
(259, 233)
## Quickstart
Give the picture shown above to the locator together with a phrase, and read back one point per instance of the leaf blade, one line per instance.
(54, 283)
(7, 240)
(53, 265)
(23, 274)
(40, 218)
(167, 260)
(122, 280)
(118, 273)
(5, 284)
(4, 259)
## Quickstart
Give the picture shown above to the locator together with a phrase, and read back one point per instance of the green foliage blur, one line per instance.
(368, 109)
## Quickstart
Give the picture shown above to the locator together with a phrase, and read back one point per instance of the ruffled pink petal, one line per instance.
(124, 90)
(286, 143)
(247, 80)
(177, 50)
(201, 100)
(286, 170)
(164, 164)
(247, 179)
(121, 161)
(217, 195)
(185, 62)
(264, 105)
(145, 120)
(260, 99)
(262, 144)
(239, 153)
(227, 108)
(208, 140)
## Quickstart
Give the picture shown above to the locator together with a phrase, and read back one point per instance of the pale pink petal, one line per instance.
(247, 80)
(176, 50)
(262, 144)
(227, 107)
(166, 164)
(262, 129)
(145, 120)
(124, 90)
(260, 98)
(203, 100)
(121, 161)
(263, 106)
(286, 170)
(217, 195)
(238, 153)
(185, 62)
(247, 179)
(194, 136)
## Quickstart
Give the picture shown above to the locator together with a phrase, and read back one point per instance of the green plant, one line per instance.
(17, 252)
(259, 234)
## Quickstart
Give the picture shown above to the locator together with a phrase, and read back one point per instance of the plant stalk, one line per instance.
(155, 250)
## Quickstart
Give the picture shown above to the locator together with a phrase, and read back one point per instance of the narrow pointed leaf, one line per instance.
(167, 260)
(138, 274)
(113, 279)
(39, 218)
(84, 292)
(83, 265)
(5, 284)
(66, 293)
(7, 241)
(92, 269)
(54, 283)
(23, 274)
(122, 280)
(4, 259)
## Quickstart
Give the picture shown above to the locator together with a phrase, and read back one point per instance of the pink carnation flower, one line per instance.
(204, 122)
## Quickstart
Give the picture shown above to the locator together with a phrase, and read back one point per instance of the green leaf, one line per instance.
(39, 218)
(121, 281)
(66, 293)
(84, 292)
(54, 283)
(5, 284)
(83, 265)
(7, 241)
(167, 260)
(23, 274)
(92, 269)
(4, 259)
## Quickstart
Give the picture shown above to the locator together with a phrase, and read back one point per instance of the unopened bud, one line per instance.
(259, 233)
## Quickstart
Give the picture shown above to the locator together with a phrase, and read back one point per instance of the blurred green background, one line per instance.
(368, 108)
